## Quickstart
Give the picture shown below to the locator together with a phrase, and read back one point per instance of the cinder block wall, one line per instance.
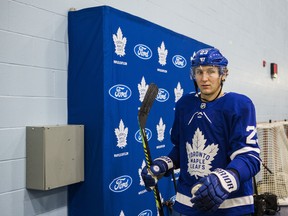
(34, 57)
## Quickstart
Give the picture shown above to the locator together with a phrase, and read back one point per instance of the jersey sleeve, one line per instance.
(244, 151)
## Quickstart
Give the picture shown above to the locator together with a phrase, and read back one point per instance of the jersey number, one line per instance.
(249, 139)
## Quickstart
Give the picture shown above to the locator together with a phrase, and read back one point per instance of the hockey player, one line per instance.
(215, 145)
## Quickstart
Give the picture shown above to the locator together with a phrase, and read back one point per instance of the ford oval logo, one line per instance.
(146, 212)
(163, 95)
(143, 51)
(121, 183)
(138, 137)
(120, 92)
(179, 61)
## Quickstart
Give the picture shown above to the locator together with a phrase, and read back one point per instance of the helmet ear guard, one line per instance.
(192, 75)
(224, 71)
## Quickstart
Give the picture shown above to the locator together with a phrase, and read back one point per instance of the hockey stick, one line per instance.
(147, 103)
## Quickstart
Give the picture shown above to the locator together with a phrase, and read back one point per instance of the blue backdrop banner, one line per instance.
(113, 57)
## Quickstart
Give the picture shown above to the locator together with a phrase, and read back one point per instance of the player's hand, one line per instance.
(159, 168)
(215, 188)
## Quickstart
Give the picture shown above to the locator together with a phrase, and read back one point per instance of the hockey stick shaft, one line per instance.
(147, 103)
(148, 159)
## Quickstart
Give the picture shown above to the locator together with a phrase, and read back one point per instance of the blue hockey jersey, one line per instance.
(218, 134)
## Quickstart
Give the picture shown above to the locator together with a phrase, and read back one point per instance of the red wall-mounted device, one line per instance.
(274, 70)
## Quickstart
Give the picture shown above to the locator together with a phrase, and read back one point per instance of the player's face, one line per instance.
(208, 80)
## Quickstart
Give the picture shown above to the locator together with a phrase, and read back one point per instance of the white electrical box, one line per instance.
(55, 156)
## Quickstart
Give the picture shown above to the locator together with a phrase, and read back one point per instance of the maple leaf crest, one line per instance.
(142, 88)
(160, 130)
(199, 156)
(178, 91)
(162, 52)
(121, 134)
(122, 213)
(119, 42)
(139, 173)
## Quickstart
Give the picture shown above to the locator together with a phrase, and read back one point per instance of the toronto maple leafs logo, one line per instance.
(122, 213)
(119, 42)
(121, 134)
(160, 130)
(202, 59)
(162, 53)
(139, 173)
(199, 156)
(178, 91)
(142, 88)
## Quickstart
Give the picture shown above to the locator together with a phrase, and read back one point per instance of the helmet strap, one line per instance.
(196, 86)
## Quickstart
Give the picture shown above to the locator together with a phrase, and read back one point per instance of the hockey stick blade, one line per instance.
(147, 103)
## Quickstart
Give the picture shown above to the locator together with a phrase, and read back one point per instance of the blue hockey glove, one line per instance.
(214, 189)
(159, 168)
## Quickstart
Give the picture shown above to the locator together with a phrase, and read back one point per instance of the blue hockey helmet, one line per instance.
(209, 56)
